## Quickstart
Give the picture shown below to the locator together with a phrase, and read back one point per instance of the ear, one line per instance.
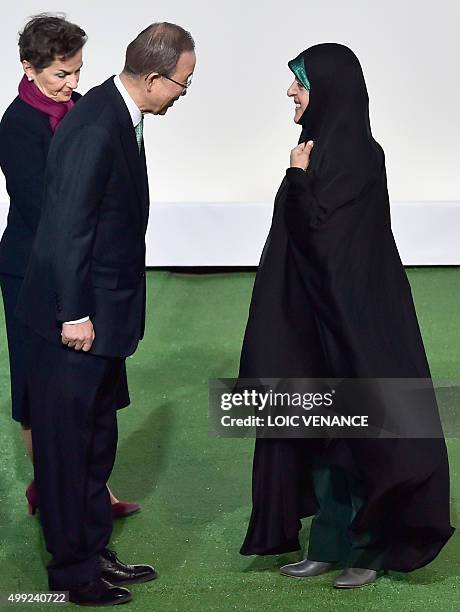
(151, 79)
(28, 70)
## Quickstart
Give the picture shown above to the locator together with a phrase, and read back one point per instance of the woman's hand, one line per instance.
(300, 155)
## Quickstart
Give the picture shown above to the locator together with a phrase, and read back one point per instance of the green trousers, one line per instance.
(339, 499)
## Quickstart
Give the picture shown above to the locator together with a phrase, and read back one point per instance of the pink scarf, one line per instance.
(29, 93)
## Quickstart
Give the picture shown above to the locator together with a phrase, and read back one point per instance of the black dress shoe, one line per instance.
(117, 572)
(98, 592)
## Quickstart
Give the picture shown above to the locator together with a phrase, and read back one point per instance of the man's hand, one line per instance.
(79, 336)
(300, 155)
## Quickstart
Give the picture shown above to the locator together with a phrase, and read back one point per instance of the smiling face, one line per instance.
(58, 80)
(301, 98)
(162, 92)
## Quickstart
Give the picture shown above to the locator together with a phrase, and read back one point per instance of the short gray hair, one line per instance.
(157, 49)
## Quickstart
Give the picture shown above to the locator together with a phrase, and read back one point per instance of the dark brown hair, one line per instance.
(46, 37)
(157, 49)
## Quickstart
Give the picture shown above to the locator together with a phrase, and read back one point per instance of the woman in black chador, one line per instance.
(331, 299)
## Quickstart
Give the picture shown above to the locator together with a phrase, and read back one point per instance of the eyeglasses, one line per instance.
(183, 85)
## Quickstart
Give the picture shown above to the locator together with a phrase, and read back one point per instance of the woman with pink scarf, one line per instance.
(50, 49)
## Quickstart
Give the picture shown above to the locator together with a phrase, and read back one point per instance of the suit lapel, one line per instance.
(128, 137)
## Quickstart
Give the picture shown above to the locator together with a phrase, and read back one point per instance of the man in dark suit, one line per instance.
(84, 298)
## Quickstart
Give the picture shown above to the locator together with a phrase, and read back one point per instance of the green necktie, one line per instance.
(139, 131)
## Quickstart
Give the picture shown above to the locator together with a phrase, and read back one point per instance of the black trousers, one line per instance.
(73, 397)
(339, 499)
(18, 335)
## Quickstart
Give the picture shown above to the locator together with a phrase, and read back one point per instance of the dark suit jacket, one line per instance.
(25, 138)
(89, 254)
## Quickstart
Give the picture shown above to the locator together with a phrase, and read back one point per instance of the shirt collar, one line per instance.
(135, 113)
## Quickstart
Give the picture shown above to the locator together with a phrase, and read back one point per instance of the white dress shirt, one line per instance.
(133, 109)
(136, 117)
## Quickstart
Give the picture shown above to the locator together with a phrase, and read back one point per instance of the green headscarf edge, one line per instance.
(297, 66)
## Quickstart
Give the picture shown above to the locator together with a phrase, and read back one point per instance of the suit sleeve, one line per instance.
(23, 160)
(77, 175)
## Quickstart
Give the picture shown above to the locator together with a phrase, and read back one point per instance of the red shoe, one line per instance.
(122, 508)
(32, 498)
(119, 509)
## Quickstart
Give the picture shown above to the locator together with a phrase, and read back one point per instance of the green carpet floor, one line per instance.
(195, 489)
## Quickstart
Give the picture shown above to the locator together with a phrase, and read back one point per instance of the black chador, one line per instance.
(331, 299)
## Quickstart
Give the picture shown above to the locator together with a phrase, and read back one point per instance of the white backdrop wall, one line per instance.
(229, 139)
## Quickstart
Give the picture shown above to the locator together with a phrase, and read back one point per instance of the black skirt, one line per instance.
(18, 336)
